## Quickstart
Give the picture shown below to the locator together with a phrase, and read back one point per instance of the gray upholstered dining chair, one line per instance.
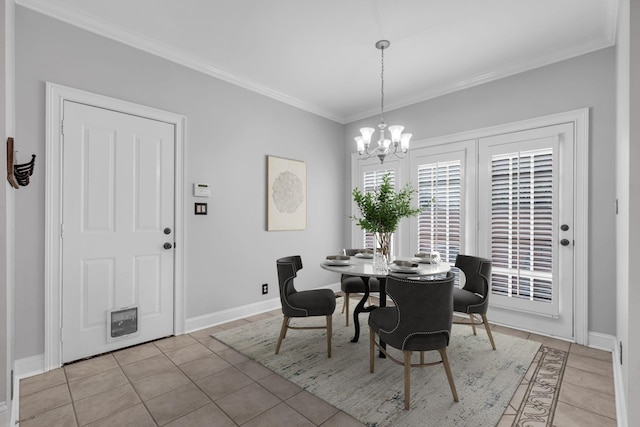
(419, 321)
(354, 285)
(473, 297)
(316, 302)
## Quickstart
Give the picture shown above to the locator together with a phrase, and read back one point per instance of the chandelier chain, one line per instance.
(382, 85)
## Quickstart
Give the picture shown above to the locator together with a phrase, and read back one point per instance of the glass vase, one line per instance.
(382, 253)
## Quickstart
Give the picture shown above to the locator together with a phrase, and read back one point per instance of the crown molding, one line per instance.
(146, 44)
(89, 23)
(527, 65)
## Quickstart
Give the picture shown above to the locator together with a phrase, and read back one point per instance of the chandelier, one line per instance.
(398, 145)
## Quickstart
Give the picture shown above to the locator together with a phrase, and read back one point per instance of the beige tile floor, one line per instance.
(195, 380)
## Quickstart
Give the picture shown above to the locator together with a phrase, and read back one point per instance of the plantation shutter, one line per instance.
(522, 193)
(372, 181)
(440, 196)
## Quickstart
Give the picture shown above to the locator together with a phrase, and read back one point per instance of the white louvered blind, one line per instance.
(522, 224)
(372, 181)
(440, 195)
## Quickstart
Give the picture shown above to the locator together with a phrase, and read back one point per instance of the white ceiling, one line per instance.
(320, 55)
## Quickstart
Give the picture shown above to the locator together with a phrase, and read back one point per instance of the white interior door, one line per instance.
(117, 216)
(526, 221)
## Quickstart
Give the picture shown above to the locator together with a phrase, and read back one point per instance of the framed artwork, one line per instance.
(286, 194)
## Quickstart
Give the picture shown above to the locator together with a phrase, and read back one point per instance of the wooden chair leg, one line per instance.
(372, 337)
(486, 326)
(329, 333)
(345, 307)
(473, 323)
(447, 369)
(407, 379)
(283, 332)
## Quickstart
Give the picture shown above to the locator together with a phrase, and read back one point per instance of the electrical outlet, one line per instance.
(265, 288)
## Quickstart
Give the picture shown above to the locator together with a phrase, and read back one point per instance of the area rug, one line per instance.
(485, 379)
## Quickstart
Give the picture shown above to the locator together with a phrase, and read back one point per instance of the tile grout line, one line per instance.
(254, 382)
(191, 380)
(134, 388)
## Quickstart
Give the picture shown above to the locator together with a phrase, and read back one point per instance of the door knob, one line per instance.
(564, 242)
(167, 245)
(564, 227)
(167, 230)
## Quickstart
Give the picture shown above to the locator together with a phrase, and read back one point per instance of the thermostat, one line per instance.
(201, 190)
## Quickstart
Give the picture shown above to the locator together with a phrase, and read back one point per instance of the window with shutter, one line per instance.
(372, 180)
(440, 196)
(522, 191)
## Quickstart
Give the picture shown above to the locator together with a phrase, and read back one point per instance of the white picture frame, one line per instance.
(286, 194)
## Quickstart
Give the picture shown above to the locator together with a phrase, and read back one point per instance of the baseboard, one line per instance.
(28, 367)
(15, 403)
(621, 406)
(229, 315)
(602, 341)
(23, 368)
(224, 316)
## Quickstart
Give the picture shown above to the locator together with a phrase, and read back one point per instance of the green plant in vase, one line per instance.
(381, 211)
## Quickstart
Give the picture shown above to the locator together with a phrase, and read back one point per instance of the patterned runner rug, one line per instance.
(485, 379)
(539, 403)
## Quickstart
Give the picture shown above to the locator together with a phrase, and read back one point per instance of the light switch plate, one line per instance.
(200, 209)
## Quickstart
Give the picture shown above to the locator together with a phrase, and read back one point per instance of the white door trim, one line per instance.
(55, 97)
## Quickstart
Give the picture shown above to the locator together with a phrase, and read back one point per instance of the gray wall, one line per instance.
(628, 191)
(229, 133)
(231, 130)
(632, 361)
(585, 81)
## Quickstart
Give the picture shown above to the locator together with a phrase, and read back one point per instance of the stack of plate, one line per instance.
(338, 260)
(404, 266)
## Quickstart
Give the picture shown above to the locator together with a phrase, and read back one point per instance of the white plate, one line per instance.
(403, 269)
(364, 255)
(337, 262)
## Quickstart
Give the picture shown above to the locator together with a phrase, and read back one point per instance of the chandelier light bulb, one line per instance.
(404, 141)
(366, 135)
(396, 131)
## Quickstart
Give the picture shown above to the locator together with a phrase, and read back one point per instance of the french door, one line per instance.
(526, 226)
(515, 193)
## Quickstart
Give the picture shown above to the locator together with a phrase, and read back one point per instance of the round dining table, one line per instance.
(363, 267)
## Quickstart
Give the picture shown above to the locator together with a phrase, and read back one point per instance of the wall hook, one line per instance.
(18, 175)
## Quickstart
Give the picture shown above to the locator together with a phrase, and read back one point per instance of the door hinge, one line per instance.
(61, 127)
(12, 384)
(61, 334)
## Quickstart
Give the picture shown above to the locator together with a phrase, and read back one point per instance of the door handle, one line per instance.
(167, 245)
(167, 230)
(564, 242)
